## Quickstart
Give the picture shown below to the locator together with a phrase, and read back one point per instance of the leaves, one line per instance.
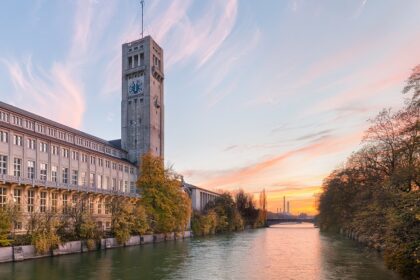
(167, 205)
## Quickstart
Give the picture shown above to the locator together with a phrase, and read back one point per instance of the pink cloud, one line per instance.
(246, 175)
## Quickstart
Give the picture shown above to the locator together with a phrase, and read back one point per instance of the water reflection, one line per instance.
(280, 252)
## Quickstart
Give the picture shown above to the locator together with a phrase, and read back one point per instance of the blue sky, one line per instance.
(270, 94)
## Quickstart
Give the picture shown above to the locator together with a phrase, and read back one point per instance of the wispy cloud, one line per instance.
(199, 37)
(360, 8)
(252, 173)
(61, 88)
(185, 39)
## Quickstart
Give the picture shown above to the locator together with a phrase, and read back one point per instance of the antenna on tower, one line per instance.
(142, 8)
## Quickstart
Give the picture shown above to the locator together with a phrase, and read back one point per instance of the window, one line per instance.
(54, 150)
(121, 186)
(65, 152)
(4, 117)
(17, 167)
(43, 171)
(100, 206)
(43, 147)
(136, 60)
(83, 179)
(100, 162)
(107, 207)
(84, 157)
(3, 164)
(30, 143)
(132, 187)
(17, 120)
(31, 199)
(131, 170)
(125, 169)
(54, 173)
(92, 160)
(31, 169)
(92, 180)
(126, 186)
(29, 125)
(4, 137)
(65, 203)
(65, 174)
(17, 140)
(91, 205)
(107, 164)
(106, 183)
(74, 177)
(16, 198)
(3, 197)
(114, 184)
(74, 155)
(54, 197)
(74, 201)
(99, 182)
(130, 62)
(114, 165)
(43, 202)
(18, 225)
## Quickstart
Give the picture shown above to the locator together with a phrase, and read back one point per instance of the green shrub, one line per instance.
(91, 244)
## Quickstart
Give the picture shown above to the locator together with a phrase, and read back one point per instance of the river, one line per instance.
(294, 251)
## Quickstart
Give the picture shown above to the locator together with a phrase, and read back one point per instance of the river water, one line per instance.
(294, 251)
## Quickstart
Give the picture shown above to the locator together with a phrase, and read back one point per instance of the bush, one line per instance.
(43, 231)
(91, 244)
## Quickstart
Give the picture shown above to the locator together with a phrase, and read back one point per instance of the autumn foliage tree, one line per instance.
(167, 205)
(375, 195)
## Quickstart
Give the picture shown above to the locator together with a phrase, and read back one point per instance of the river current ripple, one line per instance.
(292, 251)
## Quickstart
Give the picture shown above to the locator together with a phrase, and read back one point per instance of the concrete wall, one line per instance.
(20, 253)
(68, 248)
(6, 254)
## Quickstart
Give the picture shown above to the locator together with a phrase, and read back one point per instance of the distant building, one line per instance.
(199, 196)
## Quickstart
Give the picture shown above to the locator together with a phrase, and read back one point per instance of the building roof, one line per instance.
(28, 114)
(115, 143)
(201, 189)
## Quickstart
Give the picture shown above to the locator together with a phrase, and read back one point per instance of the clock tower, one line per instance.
(142, 109)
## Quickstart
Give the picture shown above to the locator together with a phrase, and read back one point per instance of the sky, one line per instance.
(269, 94)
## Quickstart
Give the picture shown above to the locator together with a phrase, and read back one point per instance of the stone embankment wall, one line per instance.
(20, 253)
(373, 241)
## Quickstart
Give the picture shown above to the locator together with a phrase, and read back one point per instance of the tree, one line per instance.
(263, 208)
(42, 228)
(375, 195)
(140, 224)
(8, 215)
(229, 218)
(168, 207)
(122, 220)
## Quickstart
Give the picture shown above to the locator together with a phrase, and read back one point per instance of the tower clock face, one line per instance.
(136, 85)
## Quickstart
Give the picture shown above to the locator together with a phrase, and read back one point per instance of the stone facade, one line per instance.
(46, 166)
(142, 107)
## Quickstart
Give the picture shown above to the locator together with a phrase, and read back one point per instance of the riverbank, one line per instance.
(27, 252)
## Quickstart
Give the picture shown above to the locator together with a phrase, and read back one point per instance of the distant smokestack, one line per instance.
(288, 207)
(284, 204)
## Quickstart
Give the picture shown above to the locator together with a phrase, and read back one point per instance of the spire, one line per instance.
(142, 8)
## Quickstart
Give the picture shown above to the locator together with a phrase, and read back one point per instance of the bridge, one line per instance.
(275, 221)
